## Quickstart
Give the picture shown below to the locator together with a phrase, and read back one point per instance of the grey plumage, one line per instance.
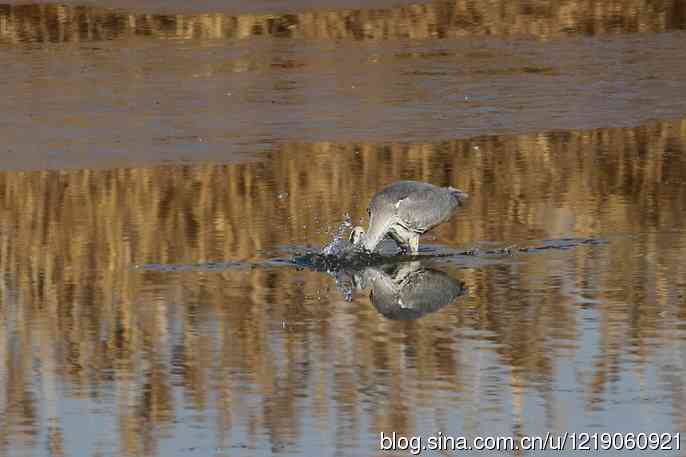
(405, 210)
(408, 291)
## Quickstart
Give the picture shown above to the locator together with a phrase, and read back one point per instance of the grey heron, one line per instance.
(408, 290)
(405, 210)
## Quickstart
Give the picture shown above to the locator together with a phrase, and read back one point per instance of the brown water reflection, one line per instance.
(259, 360)
(128, 120)
(111, 88)
(438, 19)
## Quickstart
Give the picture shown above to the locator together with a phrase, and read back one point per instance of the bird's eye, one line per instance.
(369, 212)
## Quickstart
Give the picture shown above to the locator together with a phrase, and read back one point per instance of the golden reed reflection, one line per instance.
(437, 19)
(251, 343)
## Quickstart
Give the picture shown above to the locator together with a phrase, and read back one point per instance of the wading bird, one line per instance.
(405, 210)
(408, 290)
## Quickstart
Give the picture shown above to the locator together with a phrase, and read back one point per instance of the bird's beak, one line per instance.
(356, 235)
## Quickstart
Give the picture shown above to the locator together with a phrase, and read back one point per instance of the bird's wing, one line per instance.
(421, 211)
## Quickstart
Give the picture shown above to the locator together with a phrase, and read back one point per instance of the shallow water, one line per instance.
(166, 168)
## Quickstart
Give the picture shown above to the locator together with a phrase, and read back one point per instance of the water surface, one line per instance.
(98, 87)
(161, 171)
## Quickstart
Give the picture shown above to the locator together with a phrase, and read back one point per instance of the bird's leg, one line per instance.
(407, 241)
(400, 241)
(414, 243)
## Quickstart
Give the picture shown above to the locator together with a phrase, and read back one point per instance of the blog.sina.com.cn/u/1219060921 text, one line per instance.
(565, 441)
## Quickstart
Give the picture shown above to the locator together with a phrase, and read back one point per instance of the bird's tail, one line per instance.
(460, 195)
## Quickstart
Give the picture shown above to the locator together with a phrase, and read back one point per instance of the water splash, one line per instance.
(336, 260)
(339, 242)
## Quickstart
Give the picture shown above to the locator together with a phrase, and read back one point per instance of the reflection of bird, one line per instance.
(405, 210)
(408, 291)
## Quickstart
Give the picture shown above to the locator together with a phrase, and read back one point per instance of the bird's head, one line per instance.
(356, 236)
